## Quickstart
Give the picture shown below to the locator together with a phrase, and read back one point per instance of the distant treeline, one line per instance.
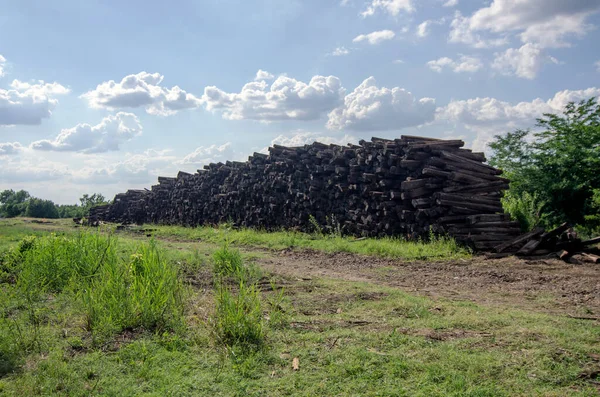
(21, 203)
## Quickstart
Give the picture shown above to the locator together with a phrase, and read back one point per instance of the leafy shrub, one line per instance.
(526, 208)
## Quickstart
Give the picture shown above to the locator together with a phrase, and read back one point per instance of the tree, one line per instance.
(38, 208)
(558, 164)
(13, 203)
(94, 200)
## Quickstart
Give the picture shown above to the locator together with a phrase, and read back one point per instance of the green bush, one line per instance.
(556, 164)
(526, 208)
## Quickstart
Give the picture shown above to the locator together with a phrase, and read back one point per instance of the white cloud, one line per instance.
(464, 64)
(375, 37)
(27, 103)
(141, 90)
(137, 168)
(301, 138)
(489, 116)
(103, 137)
(392, 7)
(461, 32)
(285, 99)
(597, 64)
(2, 63)
(423, 28)
(340, 51)
(398, 61)
(208, 154)
(31, 170)
(451, 3)
(544, 22)
(9, 148)
(369, 108)
(524, 62)
(262, 75)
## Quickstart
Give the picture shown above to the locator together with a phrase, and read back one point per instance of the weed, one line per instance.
(227, 262)
(238, 320)
(144, 292)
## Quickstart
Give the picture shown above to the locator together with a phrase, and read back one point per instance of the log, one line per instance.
(523, 238)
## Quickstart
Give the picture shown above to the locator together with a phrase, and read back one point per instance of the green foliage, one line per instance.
(70, 211)
(558, 164)
(38, 208)
(88, 202)
(526, 208)
(13, 203)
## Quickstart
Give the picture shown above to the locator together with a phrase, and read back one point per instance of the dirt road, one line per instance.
(547, 285)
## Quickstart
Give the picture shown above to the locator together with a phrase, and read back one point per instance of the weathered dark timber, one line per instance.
(402, 187)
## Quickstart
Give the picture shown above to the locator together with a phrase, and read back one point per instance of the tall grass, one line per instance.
(440, 248)
(238, 319)
(139, 290)
(51, 263)
(142, 292)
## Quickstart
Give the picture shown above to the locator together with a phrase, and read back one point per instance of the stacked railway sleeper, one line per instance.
(410, 187)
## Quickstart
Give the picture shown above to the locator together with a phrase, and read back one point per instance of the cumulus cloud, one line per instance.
(9, 148)
(489, 116)
(301, 138)
(523, 62)
(2, 63)
(136, 169)
(451, 3)
(29, 103)
(423, 28)
(208, 154)
(340, 51)
(375, 38)
(141, 90)
(391, 7)
(464, 64)
(262, 75)
(106, 136)
(285, 99)
(31, 170)
(461, 32)
(547, 23)
(370, 108)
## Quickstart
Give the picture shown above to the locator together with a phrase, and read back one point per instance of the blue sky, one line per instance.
(102, 96)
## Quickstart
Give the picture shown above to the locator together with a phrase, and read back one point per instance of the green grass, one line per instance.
(437, 248)
(355, 339)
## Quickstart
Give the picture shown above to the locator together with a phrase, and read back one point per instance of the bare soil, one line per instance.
(546, 285)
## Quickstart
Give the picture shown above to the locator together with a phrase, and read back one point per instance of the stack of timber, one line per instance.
(562, 242)
(409, 187)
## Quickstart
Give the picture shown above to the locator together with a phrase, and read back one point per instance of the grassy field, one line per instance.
(186, 313)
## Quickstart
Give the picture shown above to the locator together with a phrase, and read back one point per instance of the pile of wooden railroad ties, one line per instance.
(410, 186)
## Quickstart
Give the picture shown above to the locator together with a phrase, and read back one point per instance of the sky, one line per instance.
(105, 95)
